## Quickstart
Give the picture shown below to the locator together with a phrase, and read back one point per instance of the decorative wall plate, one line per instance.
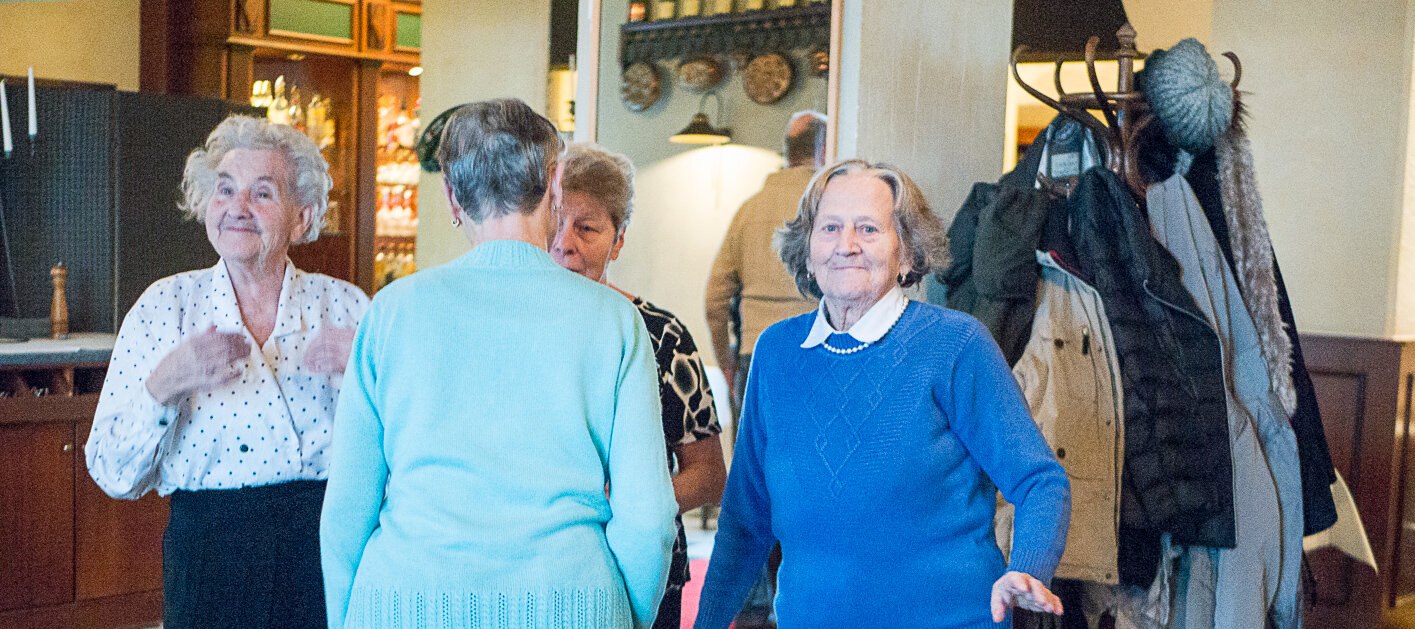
(640, 86)
(768, 78)
(700, 74)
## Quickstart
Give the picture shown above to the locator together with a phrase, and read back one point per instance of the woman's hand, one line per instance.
(205, 361)
(1018, 589)
(329, 351)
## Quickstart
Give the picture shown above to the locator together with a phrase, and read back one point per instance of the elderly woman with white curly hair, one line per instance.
(222, 386)
(875, 433)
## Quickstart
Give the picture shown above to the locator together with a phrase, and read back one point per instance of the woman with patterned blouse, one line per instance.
(222, 386)
(598, 198)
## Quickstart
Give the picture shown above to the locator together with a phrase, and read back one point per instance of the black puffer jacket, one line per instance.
(1178, 472)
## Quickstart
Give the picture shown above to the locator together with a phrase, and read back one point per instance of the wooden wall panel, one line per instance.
(1363, 391)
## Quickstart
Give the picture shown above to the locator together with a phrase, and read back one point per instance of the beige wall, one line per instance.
(475, 51)
(77, 40)
(1328, 86)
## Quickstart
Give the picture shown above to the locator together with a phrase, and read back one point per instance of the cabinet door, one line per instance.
(37, 517)
(119, 541)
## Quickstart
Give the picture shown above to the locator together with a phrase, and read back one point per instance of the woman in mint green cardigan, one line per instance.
(487, 404)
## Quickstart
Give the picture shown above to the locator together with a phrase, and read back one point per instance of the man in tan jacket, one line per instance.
(748, 280)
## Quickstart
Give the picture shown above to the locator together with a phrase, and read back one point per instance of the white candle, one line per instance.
(5, 119)
(33, 121)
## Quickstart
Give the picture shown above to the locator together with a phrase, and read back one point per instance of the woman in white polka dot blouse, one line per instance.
(222, 386)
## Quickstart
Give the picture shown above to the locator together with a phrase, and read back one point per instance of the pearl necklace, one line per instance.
(864, 344)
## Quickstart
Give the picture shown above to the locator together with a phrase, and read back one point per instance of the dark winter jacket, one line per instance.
(993, 275)
(994, 238)
(1178, 473)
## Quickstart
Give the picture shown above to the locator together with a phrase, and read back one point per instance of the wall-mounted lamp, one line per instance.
(700, 129)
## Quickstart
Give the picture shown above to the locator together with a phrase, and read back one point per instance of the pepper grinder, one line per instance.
(59, 308)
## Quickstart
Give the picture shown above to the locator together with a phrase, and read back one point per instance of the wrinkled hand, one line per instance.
(329, 351)
(1018, 589)
(202, 362)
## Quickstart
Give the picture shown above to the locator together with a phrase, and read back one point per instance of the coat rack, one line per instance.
(1125, 110)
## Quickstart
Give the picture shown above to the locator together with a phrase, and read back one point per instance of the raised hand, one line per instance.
(203, 362)
(329, 351)
(1018, 589)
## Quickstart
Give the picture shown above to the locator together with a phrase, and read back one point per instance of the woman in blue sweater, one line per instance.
(875, 434)
(487, 404)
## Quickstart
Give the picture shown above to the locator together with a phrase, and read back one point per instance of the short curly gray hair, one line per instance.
(604, 176)
(308, 181)
(921, 235)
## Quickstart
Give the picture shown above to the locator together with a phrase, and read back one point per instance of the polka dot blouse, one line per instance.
(270, 425)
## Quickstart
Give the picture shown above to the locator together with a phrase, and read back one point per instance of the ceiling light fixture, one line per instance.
(700, 129)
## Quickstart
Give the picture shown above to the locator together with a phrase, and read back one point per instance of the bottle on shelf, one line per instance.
(279, 109)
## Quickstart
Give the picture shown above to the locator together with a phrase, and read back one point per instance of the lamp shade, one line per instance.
(700, 131)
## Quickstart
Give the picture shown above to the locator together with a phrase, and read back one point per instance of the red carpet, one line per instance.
(692, 590)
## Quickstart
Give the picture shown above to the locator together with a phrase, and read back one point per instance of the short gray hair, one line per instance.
(307, 181)
(921, 235)
(497, 156)
(604, 176)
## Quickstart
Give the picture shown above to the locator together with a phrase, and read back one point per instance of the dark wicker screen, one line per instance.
(58, 201)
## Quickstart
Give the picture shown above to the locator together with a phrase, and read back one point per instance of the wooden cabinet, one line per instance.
(38, 537)
(70, 556)
(1364, 388)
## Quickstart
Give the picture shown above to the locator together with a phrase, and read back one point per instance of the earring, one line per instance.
(901, 279)
(456, 221)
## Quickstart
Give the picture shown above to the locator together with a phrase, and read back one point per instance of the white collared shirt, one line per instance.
(870, 328)
(271, 425)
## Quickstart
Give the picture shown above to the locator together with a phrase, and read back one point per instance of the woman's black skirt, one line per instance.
(245, 558)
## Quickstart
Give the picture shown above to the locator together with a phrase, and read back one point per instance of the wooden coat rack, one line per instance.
(1125, 110)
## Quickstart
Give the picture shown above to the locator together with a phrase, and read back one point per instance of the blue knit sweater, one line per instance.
(486, 404)
(877, 473)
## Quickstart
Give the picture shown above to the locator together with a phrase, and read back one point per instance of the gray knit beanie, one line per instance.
(1188, 96)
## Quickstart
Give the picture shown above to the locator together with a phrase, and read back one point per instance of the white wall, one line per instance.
(474, 51)
(78, 40)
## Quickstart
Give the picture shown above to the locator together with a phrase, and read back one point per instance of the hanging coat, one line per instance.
(1178, 475)
(1071, 379)
(1258, 578)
